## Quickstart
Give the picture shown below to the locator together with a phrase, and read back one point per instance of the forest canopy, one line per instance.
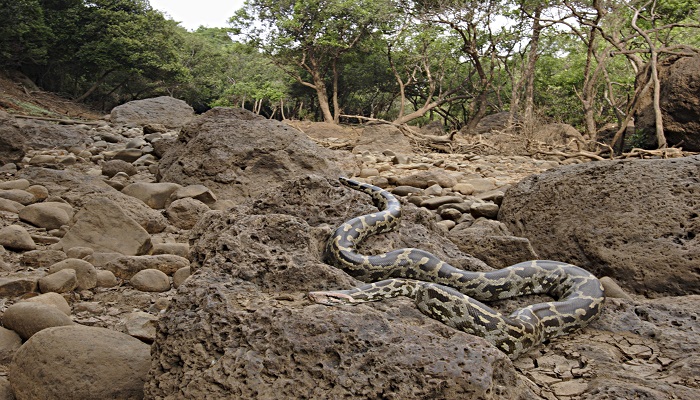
(452, 61)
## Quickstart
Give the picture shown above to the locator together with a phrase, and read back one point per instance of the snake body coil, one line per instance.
(454, 296)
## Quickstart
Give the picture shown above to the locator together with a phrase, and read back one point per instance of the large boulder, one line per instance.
(635, 220)
(80, 362)
(48, 135)
(11, 140)
(164, 110)
(238, 154)
(680, 104)
(104, 227)
(241, 325)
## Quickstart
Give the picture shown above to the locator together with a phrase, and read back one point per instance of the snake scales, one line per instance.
(452, 295)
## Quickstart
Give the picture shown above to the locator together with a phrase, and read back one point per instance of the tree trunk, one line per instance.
(322, 95)
(94, 86)
(531, 62)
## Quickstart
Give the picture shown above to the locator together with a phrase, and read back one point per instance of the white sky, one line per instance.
(192, 14)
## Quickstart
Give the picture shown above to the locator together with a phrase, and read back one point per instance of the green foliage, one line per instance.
(296, 55)
(23, 33)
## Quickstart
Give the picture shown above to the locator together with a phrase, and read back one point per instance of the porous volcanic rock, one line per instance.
(634, 220)
(238, 154)
(680, 104)
(164, 110)
(241, 326)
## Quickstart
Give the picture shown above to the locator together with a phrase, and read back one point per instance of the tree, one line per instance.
(23, 33)
(309, 39)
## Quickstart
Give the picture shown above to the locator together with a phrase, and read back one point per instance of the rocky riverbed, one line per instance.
(164, 255)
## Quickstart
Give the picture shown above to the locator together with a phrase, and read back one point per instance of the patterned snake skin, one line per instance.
(452, 295)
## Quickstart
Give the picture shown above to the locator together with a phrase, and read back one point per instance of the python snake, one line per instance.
(452, 295)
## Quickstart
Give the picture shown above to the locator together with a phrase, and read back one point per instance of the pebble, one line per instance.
(106, 279)
(180, 276)
(435, 202)
(141, 325)
(15, 184)
(150, 280)
(486, 210)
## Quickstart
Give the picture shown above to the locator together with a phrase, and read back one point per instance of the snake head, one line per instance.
(330, 298)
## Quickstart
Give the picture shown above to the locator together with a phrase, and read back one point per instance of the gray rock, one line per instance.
(126, 155)
(180, 275)
(486, 210)
(113, 167)
(425, 179)
(46, 215)
(79, 189)
(635, 221)
(164, 110)
(435, 202)
(10, 342)
(150, 280)
(15, 237)
(184, 213)
(224, 150)
(178, 249)
(42, 258)
(18, 195)
(491, 242)
(26, 318)
(197, 192)
(86, 273)
(125, 267)
(106, 279)
(80, 362)
(155, 195)
(15, 184)
(405, 190)
(10, 206)
(13, 286)
(103, 226)
(140, 325)
(79, 252)
(12, 147)
(52, 299)
(62, 281)
(40, 192)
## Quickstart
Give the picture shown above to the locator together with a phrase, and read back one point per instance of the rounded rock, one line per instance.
(15, 237)
(80, 362)
(51, 299)
(180, 276)
(106, 279)
(26, 318)
(150, 280)
(59, 282)
(86, 273)
(44, 215)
